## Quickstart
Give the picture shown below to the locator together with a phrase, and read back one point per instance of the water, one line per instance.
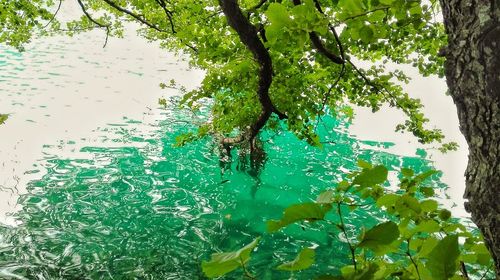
(108, 197)
(146, 210)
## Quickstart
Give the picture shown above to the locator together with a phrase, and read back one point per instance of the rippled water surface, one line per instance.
(131, 206)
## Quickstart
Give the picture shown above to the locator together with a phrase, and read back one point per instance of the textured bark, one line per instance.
(473, 77)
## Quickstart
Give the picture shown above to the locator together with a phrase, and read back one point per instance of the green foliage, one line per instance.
(379, 237)
(18, 19)
(371, 176)
(306, 84)
(309, 212)
(3, 118)
(417, 240)
(443, 259)
(223, 263)
(303, 261)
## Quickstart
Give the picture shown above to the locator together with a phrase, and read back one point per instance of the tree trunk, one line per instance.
(473, 76)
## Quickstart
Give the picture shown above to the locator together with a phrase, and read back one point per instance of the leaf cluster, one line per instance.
(416, 238)
(306, 84)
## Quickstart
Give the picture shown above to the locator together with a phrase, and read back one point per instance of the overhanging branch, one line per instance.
(101, 25)
(318, 44)
(248, 35)
(149, 24)
(134, 15)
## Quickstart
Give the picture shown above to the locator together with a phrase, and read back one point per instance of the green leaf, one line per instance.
(364, 164)
(428, 226)
(482, 254)
(444, 214)
(371, 176)
(223, 263)
(278, 14)
(380, 236)
(427, 246)
(325, 197)
(279, 18)
(424, 175)
(388, 200)
(303, 261)
(352, 6)
(442, 261)
(427, 191)
(386, 2)
(3, 118)
(429, 205)
(366, 34)
(308, 211)
(407, 172)
(408, 205)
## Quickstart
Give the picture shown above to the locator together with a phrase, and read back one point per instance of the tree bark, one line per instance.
(248, 34)
(473, 77)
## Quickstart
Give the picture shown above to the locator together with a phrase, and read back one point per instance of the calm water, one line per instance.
(131, 206)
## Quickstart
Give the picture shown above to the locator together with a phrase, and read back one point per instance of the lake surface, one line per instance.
(92, 187)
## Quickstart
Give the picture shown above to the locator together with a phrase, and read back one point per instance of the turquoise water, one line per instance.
(131, 206)
(142, 209)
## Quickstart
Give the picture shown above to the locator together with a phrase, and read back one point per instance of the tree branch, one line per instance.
(168, 13)
(107, 26)
(248, 35)
(55, 14)
(351, 247)
(408, 253)
(365, 13)
(323, 50)
(318, 44)
(134, 15)
(332, 29)
(256, 7)
(149, 24)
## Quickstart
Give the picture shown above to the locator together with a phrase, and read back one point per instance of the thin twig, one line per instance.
(107, 26)
(55, 14)
(149, 24)
(486, 272)
(332, 29)
(328, 93)
(463, 269)
(168, 13)
(351, 248)
(411, 258)
(256, 7)
(362, 14)
(134, 15)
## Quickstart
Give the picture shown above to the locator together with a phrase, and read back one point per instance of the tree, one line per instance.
(299, 60)
(472, 67)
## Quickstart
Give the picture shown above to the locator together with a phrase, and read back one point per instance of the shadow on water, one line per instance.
(142, 209)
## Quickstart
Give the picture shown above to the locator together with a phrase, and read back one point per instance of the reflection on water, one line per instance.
(119, 202)
(151, 211)
(62, 89)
